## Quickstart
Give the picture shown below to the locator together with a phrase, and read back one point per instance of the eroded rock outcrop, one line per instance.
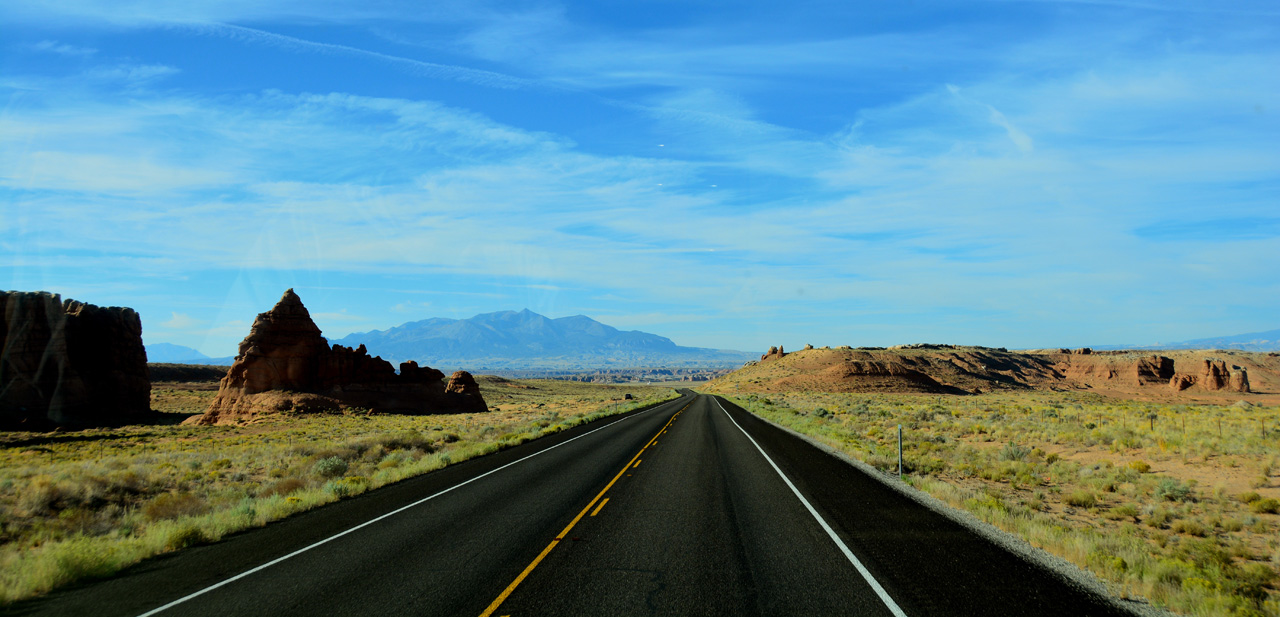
(70, 363)
(774, 353)
(1214, 375)
(462, 384)
(286, 365)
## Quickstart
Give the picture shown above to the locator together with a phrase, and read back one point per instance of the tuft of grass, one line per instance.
(1265, 506)
(186, 535)
(1081, 499)
(1189, 527)
(174, 505)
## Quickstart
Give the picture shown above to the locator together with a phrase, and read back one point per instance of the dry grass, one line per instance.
(1179, 508)
(85, 504)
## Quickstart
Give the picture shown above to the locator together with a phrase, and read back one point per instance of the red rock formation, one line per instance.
(67, 362)
(1181, 382)
(773, 353)
(1239, 380)
(1213, 377)
(462, 384)
(1153, 370)
(286, 365)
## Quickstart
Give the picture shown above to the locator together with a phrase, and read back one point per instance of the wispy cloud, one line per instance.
(63, 49)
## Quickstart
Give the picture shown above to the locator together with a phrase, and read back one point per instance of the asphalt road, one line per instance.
(678, 510)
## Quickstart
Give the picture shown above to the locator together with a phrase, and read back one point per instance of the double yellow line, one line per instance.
(512, 587)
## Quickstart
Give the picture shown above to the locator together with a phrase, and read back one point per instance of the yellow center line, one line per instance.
(502, 597)
(637, 464)
(600, 507)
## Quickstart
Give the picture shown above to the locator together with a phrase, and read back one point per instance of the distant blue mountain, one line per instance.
(525, 339)
(168, 352)
(179, 354)
(1256, 341)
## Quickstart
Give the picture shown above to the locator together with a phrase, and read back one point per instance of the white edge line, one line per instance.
(302, 550)
(875, 585)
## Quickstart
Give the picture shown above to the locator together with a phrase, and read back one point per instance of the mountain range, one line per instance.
(1255, 341)
(525, 339)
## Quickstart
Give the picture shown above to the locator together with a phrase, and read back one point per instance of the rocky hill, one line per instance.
(948, 369)
(527, 340)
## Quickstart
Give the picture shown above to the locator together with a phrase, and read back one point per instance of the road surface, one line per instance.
(694, 507)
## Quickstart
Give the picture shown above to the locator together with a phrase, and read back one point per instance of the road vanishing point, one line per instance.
(691, 507)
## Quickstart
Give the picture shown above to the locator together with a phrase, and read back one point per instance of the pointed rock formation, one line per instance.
(462, 384)
(285, 365)
(69, 363)
(774, 353)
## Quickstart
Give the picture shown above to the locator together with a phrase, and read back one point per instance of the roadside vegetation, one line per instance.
(84, 504)
(1174, 503)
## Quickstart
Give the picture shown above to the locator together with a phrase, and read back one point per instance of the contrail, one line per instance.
(417, 67)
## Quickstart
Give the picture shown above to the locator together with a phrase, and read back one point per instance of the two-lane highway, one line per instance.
(694, 507)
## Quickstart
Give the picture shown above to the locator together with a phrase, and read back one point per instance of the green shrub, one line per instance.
(1014, 452)
(283, 487)
(1140, 466)
(174, 505)
(1159, 518)
(1189, 527)
(1081, 499)
(1170, 489)
(186, 535)
(1265, 506)
(347, 487)
(331, 467)
(1249, 497)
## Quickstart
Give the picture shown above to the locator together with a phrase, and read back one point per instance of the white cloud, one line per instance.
(411, 308)
(63, 49)
(133, 74)
(181, 321)
(341, 316)
(102, 173)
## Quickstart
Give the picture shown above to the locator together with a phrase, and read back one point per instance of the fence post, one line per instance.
(899, 451)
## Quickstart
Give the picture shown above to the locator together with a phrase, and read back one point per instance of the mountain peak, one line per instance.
(525, 339)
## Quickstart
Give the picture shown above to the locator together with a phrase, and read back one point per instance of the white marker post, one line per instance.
(899, 451)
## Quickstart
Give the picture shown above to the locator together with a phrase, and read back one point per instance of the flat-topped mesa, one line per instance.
(284, 364)
(69, 363)
(957, 369)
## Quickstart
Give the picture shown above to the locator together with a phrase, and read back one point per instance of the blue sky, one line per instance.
(733, 175)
